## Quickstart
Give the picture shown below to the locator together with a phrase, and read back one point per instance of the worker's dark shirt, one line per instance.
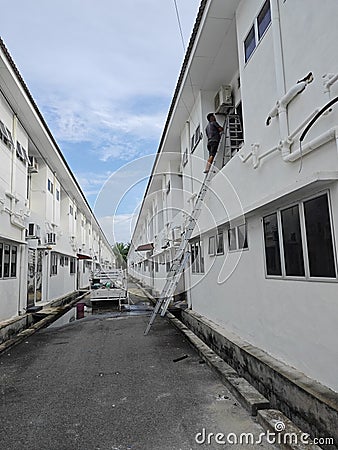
(212, 132)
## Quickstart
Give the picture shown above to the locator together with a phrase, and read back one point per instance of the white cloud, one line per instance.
(118, 228)
(103, 74)
(92, 182)
(122, 193)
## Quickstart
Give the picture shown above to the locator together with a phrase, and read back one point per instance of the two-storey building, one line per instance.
(263, 255)
(50, 240)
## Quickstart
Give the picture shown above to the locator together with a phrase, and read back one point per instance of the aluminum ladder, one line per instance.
(183, 253)
(233, 136)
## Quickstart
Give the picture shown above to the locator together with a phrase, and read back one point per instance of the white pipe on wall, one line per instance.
(329, 80)
(312, 145)
(277, 48)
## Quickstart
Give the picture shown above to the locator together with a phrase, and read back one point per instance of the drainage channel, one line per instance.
(83, 310)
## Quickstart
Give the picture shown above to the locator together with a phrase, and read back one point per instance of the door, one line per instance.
(34, 282)
(31, 277)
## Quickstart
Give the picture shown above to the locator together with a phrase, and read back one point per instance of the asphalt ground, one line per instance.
(99, 384)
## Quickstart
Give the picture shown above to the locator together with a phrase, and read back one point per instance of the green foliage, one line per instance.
(121, 250)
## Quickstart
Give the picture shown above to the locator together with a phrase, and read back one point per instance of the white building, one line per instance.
(50, 239)
(263, 264)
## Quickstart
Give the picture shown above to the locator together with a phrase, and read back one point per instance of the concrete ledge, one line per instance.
(310, 405)
(52, 315)
(10, 328)
(288, 436)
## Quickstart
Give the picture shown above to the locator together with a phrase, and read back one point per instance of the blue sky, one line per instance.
(103, 74)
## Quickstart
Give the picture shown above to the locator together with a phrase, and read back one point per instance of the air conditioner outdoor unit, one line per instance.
(223, 100)
(51, 238)
(33, 166)
(33, 230)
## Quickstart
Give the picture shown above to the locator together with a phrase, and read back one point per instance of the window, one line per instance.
(232, 239)
(292, 242)
(250, 43)
(8, 260)
(195, 138)
(50, 186)
(211, 248)
(237, 238)
(7, 255)
(72, 267)
(185, 157)
(257, 30)
(53, 264)
(57, 194)
(242, 237)
(13, 260)
(66, 260)
(272, 248)
(197, 135)
(70, 210)
(20, 152)
(264, 19)
(299, 241)
(192, 142)
(319, 237)
(220, 243)
(6, 136)
(197, 259)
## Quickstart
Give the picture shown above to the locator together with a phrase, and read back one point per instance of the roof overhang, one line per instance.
(82, 256)
(145, 247)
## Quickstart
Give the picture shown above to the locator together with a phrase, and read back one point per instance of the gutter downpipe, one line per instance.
(280, 75)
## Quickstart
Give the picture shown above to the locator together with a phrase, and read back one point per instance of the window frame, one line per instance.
(196, 138)
(50, 186)
(219, 240)
(257, 37)
(54, 259)
(234, 230)
(21, 152)
(6, 136)
(307, 276)
(185, 157)
(212, 246)
(197, 257)
(8, 261)
(252, 31)
(259, 33)
(72, 265)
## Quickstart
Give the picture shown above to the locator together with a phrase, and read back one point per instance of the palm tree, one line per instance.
(121, 250)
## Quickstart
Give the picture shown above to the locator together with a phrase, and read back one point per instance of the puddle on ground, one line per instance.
(113, 312)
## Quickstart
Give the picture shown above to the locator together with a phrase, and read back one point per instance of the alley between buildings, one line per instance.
(98, 383)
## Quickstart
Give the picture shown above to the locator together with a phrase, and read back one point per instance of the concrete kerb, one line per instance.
(246, 394)
(24, 334)
(290, 435)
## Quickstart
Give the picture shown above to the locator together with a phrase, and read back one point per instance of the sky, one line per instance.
(103, 74)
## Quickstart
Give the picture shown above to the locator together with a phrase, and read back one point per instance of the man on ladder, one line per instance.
(213, 132)
(182, 255)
